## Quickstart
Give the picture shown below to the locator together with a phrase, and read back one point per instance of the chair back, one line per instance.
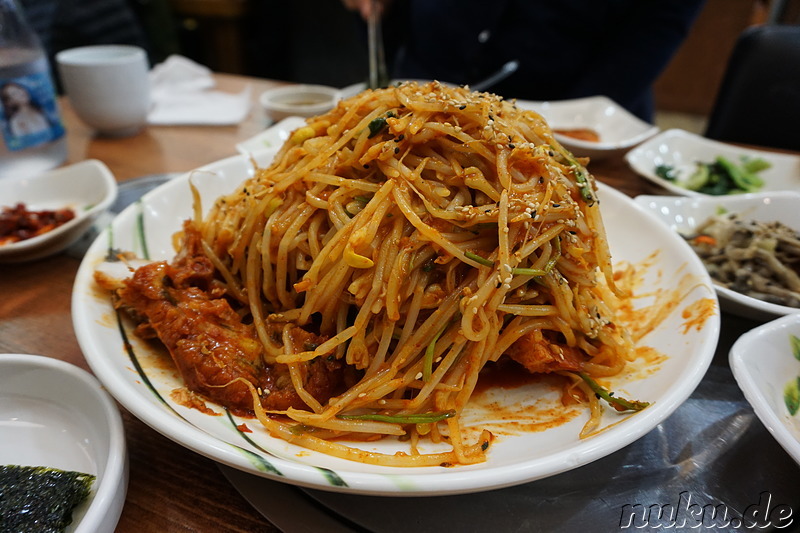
(759, 99)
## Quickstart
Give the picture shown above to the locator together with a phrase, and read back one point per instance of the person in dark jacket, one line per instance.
(564, 49)
(63, 24)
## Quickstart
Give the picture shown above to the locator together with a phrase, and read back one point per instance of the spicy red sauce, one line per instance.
(17, 223)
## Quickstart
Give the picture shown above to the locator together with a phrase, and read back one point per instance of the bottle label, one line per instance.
(29, 113)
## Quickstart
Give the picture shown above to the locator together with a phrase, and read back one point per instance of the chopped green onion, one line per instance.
(378, 124)
(620, 404)
(583, 183)
(427, 361)
(580, 176)
(529, 272)
(419, 418)
(537, 272)
(791, 396)
(299, 429)
(553, 260)
(479, 259)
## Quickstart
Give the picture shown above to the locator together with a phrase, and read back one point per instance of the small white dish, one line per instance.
(88, 188)
(57, 415)
(682, 150)
(298, 100)
(685, 213)
(764, 362)
(618, 129)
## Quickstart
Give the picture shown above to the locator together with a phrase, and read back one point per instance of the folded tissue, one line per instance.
(182, 93)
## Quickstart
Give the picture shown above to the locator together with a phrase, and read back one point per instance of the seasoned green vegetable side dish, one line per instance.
(40, 499)
(719, 177)
(791, 392)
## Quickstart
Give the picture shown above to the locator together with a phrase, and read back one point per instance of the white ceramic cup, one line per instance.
(108, 87)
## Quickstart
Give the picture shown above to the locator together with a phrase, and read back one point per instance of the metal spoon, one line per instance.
(505, 71)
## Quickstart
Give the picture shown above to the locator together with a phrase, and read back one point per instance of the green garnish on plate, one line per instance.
(617, 402)
(794, 341)
(791, 392)
(791, 396)
(721, 176)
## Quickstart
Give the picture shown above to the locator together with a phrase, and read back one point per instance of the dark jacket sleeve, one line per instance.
(566, 48)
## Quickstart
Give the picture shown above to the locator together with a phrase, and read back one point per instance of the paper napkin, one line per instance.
(182, 92)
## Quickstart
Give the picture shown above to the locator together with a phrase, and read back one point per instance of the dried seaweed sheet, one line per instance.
(39, 499)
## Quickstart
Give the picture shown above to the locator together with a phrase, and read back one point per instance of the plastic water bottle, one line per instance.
(32, 136)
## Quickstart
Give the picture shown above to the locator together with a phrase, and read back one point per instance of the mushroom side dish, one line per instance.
(758, 259)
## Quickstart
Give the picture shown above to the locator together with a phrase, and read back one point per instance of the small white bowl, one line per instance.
(88, 188)
(764, 363)
(618, 129)
(685, 213)
(298, 100)
(57, 415)
(682, 150)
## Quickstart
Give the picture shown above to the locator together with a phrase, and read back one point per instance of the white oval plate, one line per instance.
(683, 214)
(57, 415)
(262, 146)
(763, 363)
(619, 130)
(144, 388)
(683, 150)
(88, 188)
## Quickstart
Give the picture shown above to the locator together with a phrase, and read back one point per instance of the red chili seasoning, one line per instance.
(18, 223)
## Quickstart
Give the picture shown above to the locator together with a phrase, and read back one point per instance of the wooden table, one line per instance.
(171, 488)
